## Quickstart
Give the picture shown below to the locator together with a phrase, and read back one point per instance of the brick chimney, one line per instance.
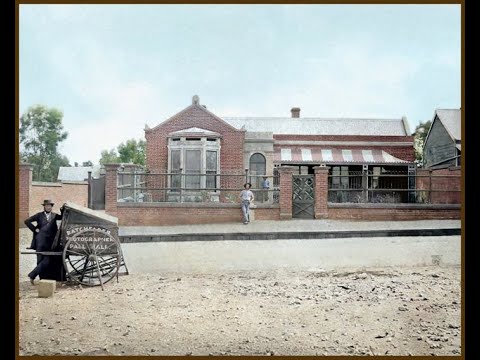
(295, 112)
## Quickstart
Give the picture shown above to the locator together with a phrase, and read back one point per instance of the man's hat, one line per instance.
(47, 202)
(247, 184)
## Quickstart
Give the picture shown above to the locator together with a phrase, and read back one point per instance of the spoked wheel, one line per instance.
(91, 257)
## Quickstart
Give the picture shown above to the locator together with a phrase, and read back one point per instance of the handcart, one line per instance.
(87, 242)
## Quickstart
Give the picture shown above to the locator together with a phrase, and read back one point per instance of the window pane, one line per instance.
(192, 166)
(192, 161)
(257, 167)
(211, 183)
(175, 160)
(176, 181)
(211, 161)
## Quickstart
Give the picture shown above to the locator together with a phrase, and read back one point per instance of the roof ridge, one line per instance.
(308, 118)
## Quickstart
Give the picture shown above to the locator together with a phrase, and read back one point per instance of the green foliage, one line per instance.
(420, 135)
(109, 157)
(41, 131)
(132, 151)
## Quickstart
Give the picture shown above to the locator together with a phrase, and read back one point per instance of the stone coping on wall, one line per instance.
(193, 205)
(58, 184)
(393, 206)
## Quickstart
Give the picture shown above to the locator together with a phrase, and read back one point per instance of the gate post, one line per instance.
(321, 192)
(111, 195)
(24, 191)
(286, 173)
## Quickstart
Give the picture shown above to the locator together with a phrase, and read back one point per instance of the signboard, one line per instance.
(96, 240)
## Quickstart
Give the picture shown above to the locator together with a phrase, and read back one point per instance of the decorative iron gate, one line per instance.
(303, 196)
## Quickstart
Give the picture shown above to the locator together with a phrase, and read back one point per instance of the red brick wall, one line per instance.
(441, 179)
(163, 214)
(24, 186)
(391, 214)
(59, 193)
(231, 152)
(321, 192)
(272, 213)
(111, 189)
(286, 188)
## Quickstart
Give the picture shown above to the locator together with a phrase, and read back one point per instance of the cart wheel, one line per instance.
(88, 263)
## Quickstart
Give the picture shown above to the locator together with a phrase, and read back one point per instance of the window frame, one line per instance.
(202, 144)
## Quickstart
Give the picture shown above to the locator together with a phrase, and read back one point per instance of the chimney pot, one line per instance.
(295, 112)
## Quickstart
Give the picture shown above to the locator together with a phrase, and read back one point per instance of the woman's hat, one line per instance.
(47, 202)
(247, 184)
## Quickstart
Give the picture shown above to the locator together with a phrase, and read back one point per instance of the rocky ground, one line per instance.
(377, 311)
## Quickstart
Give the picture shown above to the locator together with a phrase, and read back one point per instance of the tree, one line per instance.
(420, 135)
(109, 157)
(132, 151)
(41, 131)
(87, 163)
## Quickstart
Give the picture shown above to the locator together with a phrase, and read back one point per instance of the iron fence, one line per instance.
(393, 187)
(178, 187)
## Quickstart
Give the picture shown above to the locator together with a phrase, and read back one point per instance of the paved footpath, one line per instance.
(290, 225)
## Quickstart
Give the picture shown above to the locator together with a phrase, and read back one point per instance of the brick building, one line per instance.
(196, 141)
(197, 163)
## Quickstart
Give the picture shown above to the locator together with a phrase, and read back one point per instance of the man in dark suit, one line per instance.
(43, 236)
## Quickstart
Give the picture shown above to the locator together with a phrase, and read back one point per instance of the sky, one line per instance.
(112, 69)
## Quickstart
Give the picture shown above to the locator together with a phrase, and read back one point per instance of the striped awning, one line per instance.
(337, 156)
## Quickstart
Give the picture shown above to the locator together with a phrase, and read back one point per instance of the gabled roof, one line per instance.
(320, 126)
(452, 121)
(196, 106)
(77, 173)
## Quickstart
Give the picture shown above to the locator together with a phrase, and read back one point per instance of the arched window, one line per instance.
(257, 167)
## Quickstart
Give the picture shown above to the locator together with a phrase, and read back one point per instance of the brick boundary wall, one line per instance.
(151, 214)
(24, 186)
(155, 214)
(59, 193)
(441, 183)
(393, 213)
(32, 193)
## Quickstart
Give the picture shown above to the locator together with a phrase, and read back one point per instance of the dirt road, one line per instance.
(374, 310)
(398, 312)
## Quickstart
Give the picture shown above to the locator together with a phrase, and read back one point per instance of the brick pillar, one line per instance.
(321, 192)
(286, 173)
(111, 188)
(24, 190)
(423, 185)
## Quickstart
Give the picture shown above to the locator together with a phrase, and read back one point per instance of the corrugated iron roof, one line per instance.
(320, 126)
(317, 155)
(452, 121)
(77, 173)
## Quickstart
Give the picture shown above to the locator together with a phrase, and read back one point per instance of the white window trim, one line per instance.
(203, 145)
